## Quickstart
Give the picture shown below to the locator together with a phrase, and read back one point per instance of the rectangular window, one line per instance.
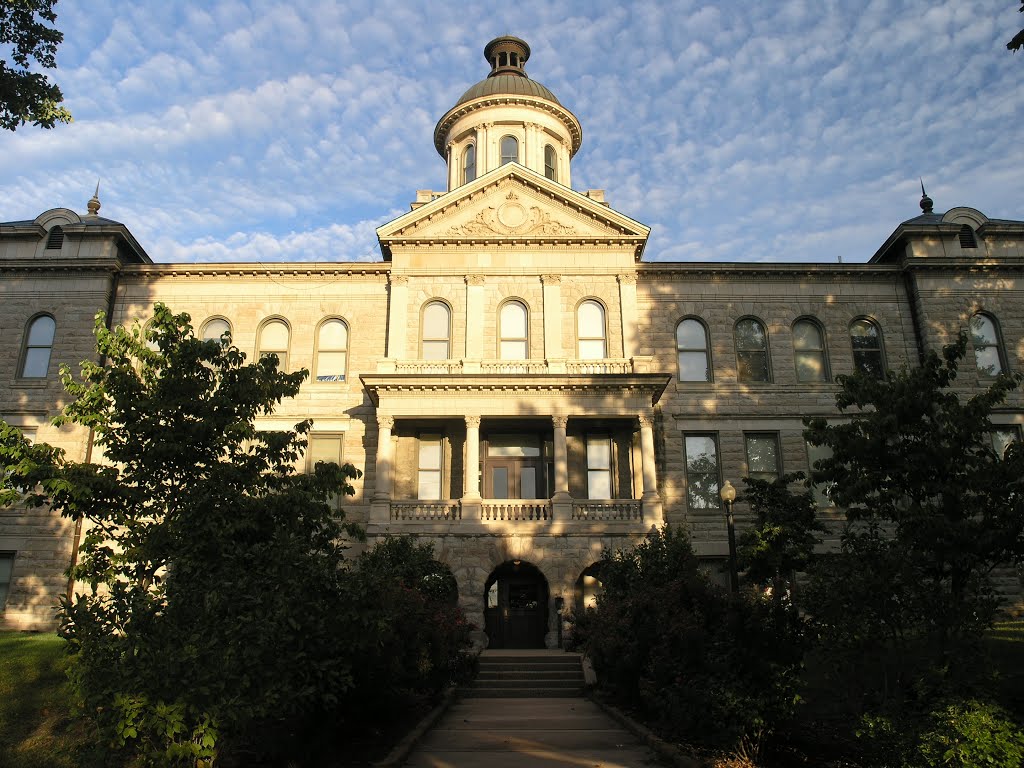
(6, 567)
(702, 471)
(325, 447)
(599, 467)
(430, 464)
(816, 453)
(763, 456)
(1002, 437)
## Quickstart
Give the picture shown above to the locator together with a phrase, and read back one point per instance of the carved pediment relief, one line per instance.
(512, 216)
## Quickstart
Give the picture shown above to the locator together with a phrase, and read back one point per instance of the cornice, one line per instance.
(65, 267)
(567, 118)
(257, 269)
(780, 271)
(651, 384)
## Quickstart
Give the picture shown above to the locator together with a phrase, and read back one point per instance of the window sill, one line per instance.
(40, 383)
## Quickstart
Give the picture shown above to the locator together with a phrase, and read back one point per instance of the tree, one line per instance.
(932, 508)
(1018, 39)
(213, 572)
(25, 95)
(783, 538)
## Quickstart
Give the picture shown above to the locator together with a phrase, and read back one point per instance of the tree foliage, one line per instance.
(698, 664)
(1018, 39)
(25, 95)
(932, 509)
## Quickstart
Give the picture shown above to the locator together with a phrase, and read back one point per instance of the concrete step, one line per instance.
(550, 674)
(540, 682)
(555, 658)
(521, 693)
(529, 667)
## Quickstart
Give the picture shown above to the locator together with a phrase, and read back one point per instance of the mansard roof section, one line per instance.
(513, 205)
(36, 236)
(938, 236)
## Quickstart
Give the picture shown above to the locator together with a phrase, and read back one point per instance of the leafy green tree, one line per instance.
(214, 587)
(932, 509)
(26, 95)
(1018, 39)
(781, 542)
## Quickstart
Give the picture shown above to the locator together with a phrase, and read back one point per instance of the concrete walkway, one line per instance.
(539, 733)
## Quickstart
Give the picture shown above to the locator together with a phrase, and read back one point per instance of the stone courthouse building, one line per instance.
(517, 382)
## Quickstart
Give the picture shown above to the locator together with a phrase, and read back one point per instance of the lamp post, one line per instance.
(728, 495)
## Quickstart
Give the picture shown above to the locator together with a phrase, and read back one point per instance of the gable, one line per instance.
(513, 205)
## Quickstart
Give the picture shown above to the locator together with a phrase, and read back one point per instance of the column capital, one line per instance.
(551, 279)
(475, 280)
(560, 422)
(627, 278)
(386, 422)
(646, 422)
(473, 422)
(487, 126)
(399, 279)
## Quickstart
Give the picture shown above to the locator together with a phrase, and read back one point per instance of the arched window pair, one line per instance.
(330, 353)
(513, 331)
(509, 148)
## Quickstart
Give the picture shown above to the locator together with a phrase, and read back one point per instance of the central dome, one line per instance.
(507, 118)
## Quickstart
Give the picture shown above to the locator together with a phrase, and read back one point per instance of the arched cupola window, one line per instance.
(967, 238)
(469, 164)
(509, 149)
(55, 240)
(549, 162)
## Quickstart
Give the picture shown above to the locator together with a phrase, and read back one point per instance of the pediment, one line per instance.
(513, 204)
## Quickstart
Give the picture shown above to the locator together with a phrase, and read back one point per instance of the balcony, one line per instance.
(583, 515)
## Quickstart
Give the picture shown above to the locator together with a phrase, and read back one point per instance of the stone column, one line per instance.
(472, 469)
(483, 149)
(454, 162)
(553, 351)
(652, 506)
(398, 318)
(627, 313)
(474, 315)
(564, 175)
(380, 505)
(561, 502)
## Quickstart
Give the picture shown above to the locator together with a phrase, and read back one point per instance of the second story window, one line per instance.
(752, 351)
(762, 456)
(509, 149)
(590, 331)
(331, 350)
(274, 341)
(809, 351)
(692, 351)
(35, 361)
(437, 328)
(215, 328)
(514, 339)
(866, 340)
(469, 164)
(987, 354)
(549, 162)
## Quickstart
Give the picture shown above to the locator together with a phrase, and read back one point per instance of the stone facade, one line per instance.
(514, 383)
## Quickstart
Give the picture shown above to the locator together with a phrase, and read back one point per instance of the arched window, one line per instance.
(809, 351)
(866, 340)
(692, 351)
(549, 162)
(274, 341)
(437, 329)
(35, 359)
(331, 350)
(509, 149)
(967, 238)
(752, 362)
(590, 332)
(469, 164)
(215, 328)
(988, 354)
(513, 331)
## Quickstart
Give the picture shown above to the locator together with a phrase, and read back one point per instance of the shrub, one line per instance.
(696, 663)
(971, 733)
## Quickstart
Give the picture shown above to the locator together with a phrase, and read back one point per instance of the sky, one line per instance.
(790, 131)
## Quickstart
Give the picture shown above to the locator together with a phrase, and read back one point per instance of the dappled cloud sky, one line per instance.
(289, 131)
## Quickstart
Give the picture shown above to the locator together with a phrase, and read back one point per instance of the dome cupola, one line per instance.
(507, 117)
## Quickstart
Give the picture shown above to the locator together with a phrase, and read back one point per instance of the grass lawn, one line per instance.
(1005, 644)
(37, 728)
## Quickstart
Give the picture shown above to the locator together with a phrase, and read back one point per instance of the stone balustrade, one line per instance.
(611, 510)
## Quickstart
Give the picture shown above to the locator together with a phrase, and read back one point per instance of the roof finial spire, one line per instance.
(94, 201)
(926, 202)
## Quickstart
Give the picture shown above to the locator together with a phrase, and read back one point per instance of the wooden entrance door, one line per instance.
(516, 613)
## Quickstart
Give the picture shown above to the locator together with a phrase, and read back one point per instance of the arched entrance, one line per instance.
(516, 606)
